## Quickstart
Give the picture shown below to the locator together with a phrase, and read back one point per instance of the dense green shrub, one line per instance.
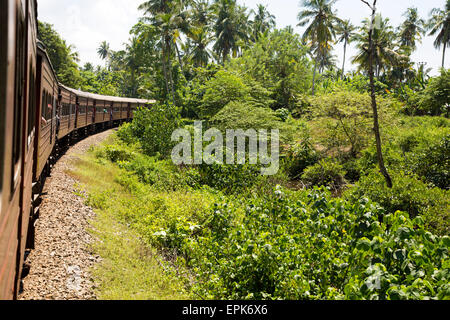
(408, 194)
(117, 152)
(434, 100)
(283, 114)
(327, 172)
(298, 157)
(419, 145)
(286, 248)
(153, 128)
(229, 178)
(239, 115)
(223, 88)
(433, 163)
(125, 133)
(346, 121)
(279, 62)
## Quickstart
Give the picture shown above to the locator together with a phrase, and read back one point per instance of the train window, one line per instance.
(32, 106)
(49, 111)
(43, 104)
(66, 109)
(19, 99)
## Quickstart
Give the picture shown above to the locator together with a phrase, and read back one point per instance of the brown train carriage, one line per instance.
(125, 108)
(101, 112)
(17, 131)
(90, 112)
(81, 111)
(67, 112)
(47, 89)
(117, 113)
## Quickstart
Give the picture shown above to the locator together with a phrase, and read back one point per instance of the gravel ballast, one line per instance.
(61, 260)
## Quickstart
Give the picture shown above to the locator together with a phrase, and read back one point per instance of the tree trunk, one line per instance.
(376, 128)
(179, 56)
(443, 56)
(314, 78)
(170, 72)
(343, 64)
(166, 79)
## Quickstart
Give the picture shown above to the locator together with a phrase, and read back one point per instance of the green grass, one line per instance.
(130, 269)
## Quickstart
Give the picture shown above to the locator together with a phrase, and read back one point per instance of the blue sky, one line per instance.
(86, 23)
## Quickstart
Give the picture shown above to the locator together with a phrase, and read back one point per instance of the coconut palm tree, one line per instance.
(346, 31)
(412, 29)
(201, 38)
(384, 53)
(153, 7)
(165, 16)
(231, 26)
(104, 52)
(321, 21)
(263, 21)
(439, 26)
(201, 13)
(371, 52)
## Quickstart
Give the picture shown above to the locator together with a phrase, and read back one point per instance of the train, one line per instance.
(38, 115)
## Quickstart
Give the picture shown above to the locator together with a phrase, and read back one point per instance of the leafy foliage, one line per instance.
(153, 127)
(278, 61)
(326, 172)
(435, 99)
(410, 195)
(317, 248)
(63, 58)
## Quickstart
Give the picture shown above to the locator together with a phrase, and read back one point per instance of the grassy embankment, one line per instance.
(130, 268)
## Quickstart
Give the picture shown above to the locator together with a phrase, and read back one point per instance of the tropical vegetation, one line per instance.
(360, 206)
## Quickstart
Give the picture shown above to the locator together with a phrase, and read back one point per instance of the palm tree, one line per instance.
(346, 33)
(201, 14)
(439, 25)
(104, 52)
(327, 62)
(152, 7)
(411, 29)
(376, 126)
(201, 38)
(384, 51)
(161, 14)
(321, 29)
(231, 26)
(262, 22)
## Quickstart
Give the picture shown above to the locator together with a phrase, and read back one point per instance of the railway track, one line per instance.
(58, 267)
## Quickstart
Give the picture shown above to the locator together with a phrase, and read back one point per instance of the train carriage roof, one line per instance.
(107, 98)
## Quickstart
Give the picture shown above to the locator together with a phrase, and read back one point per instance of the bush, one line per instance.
(286, 248)
(300, 156)
(408, 194)
(238, 115)
(346, 122)
(224, 88)
(433, 163)
(229, 178)
(283, 114)
(125, 133)
(420, 145)
(435, 99)
(117, 152)
(153, 128)
(326, 172)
